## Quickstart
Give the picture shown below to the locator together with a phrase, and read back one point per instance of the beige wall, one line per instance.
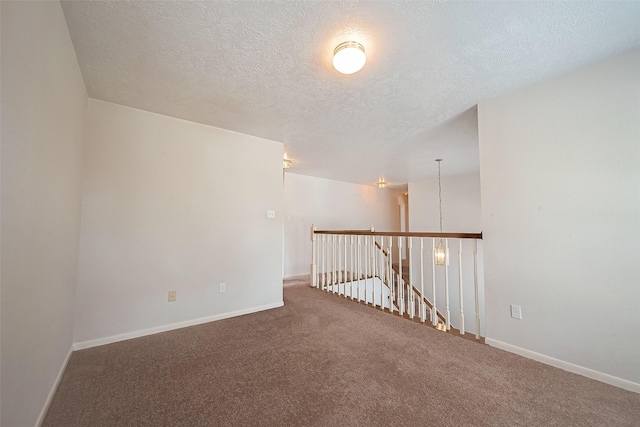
(560, 178)
(43, 117)
(330, 205)
(174, 205)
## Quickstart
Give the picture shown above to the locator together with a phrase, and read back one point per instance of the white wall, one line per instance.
(461, 212)
(331, 205)
(461, 207)
(560, 166)
(174, 205)
(43, 117)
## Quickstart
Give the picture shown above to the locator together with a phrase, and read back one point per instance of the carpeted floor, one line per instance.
(324, 361)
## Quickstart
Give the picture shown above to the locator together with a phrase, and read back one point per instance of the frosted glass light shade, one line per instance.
(349, 57)
(440, 254)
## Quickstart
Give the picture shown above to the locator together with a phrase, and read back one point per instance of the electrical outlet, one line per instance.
(516, 312)
(271, 214)
(223, 287)
(172, 296)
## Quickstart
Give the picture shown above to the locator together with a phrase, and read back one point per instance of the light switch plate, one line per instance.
(271, 214)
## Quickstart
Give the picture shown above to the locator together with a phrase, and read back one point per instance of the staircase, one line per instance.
(406, 278)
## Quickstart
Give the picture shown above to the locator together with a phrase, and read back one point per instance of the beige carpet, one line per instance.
(324, 361)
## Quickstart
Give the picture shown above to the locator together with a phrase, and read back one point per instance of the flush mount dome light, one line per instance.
(349, 57)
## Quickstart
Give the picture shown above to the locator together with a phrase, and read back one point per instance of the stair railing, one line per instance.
(360, 265)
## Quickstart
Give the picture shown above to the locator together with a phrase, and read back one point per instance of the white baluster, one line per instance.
(359, 267)
(475, 286)
(460, 287)
(365, 256)
(410, 284)
(314, 279)
(400, 279)
(423, 308)
(325, 262)
(339, 262)
(434, 310)
(328, 289)
(333, 263)
(322, 272)
(367, 271)
(321, 261)
(330, 263)
(373, 271)
(365, 266)
(345, 266)
(352, 256)
(446, 282)
(370, 255)
(326, 271)
(381, 272)
(390, 274)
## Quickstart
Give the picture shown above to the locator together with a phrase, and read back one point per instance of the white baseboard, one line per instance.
(576, 369)
(164, 328)
(296, 276)
(52, 392)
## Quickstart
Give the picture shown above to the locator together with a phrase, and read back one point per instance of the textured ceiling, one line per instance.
(264, 68)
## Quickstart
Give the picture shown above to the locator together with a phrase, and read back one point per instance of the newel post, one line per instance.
(314, 276)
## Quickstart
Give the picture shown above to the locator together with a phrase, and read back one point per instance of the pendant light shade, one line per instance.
(441, 253)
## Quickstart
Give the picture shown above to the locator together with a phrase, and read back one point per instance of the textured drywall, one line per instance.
(44, 104)
(560, 173)
(264, 68)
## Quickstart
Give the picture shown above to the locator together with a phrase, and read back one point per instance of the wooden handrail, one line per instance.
(403, 234)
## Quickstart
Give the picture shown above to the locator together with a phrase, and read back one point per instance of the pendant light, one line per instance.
(441, 252)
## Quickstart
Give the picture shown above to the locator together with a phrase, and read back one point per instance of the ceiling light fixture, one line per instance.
(286, 163)
(349, 57)
(381, 183)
